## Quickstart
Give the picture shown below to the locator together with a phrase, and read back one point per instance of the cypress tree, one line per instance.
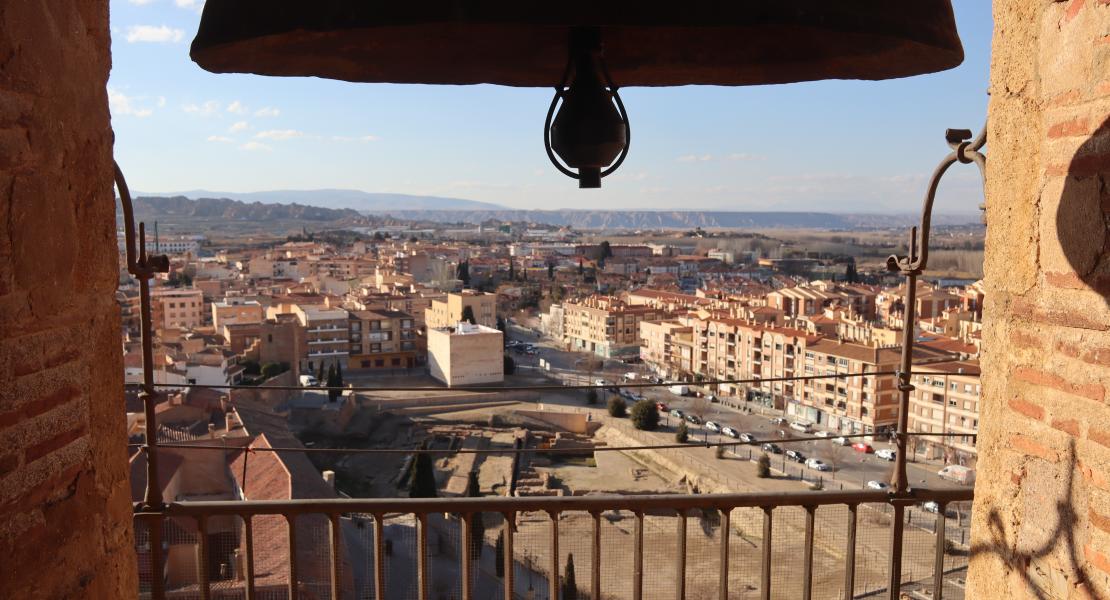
(422, 481)
(570, 586)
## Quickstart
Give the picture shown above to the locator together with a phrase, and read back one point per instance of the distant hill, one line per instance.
(225, 209)
(352, 199)
(647, 219)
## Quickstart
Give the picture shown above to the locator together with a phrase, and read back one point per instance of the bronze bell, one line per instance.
(640, 43)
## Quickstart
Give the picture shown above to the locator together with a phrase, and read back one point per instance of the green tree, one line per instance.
(645, 416)
(617, 407)
(605, 250)
(468, 315)
(570, 586)
(339, 374)
(477, 524)
(763, 467)
(591, 396)
(272, 369)
(422, 478)
(510, 365)
(682, 434)
(333, 393)
(320, 373)
(551, 270)
(850, 273)
(462, 272)
(581, 269)
(512, 270)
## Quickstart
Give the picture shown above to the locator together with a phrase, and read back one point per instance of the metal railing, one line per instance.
(423, 516)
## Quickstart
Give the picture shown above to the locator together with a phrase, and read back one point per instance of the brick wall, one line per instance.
(64, 500)
(1042, 510)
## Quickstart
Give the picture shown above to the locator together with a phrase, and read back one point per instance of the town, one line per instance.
(778, 373)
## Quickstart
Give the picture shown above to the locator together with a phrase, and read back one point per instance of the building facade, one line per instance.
(466, 355)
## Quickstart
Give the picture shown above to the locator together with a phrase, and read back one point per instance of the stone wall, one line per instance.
(65, 526)
(1041, 526)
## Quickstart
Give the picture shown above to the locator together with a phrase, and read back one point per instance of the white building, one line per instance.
(466, 355)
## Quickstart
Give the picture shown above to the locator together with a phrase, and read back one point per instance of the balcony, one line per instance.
(785, 545)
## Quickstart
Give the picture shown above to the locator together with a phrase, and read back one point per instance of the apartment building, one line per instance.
(606, 326)
(326, 340)
(448, 311)
(177, 308)
(738, 349)
(466, 354)
(667, 347)
(384, 339)
(235, 310)
(946, 401)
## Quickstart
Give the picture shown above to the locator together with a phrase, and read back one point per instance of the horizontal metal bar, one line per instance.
(706, 444)
(662, 502)
(539, 388)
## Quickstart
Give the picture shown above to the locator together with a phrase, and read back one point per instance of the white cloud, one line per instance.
(267, 111)
(744, 156)
(161, 101)
(207, 109)
(695, 158)
(238, 126)
(150, 33)
(237, 108)
(278, 134)
(120, 104)
(350, 138)
(140, 2)
(223, 139)
(190, 4)
(251, 146)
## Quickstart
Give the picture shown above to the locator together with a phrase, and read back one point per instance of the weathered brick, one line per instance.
(1027, 309)
(1092, 391)
(1021, 339)
(1099, 435)
(1096, 559)
(1073, 9)
(45, 447)
(1030, 447)
(1098, 520)
(1027, 408)
(1071, 127)
(1068, 426)
(1093, 476)
(38, 406)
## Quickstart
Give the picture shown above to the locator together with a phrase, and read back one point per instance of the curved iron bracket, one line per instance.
(965, 150)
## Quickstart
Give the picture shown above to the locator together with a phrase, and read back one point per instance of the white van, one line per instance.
(958, 473)
(309, 381)
(802, 426)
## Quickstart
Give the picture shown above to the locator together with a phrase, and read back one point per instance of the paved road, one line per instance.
(852, 467)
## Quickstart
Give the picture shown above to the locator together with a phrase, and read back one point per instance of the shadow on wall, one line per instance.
(1083, 218)
(1050, 541)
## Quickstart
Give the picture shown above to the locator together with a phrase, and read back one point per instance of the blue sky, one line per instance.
(840, 146)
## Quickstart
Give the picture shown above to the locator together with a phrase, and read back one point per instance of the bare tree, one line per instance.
(700, 407)
(834, 454)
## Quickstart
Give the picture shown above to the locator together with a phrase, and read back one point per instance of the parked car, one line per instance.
(817, 465)
(680, 390)
(661, 407)
(863, 447)
(635, 397)
(712, 426)
(730, 432)
(796, 456)
(600, 381)
(676, 413)
(693, 419)
(887, 454)
(931, 506)
(877, 485)
(821, 434)
(309, 381)
(784, 434)
(772, 448)
(777, 420)
(801, 426)
(840, 441)
(747, 438)
(630, 376)
(712, 397)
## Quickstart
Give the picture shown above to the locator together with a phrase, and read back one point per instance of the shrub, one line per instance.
(719, 452)
(510, 365)
(617, 407)
(591, 396)
(682, 434)
(763, 467)
(645, 416)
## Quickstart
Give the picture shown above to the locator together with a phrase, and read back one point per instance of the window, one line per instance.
(396, 362)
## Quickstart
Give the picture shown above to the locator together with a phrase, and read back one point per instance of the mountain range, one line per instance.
(339, 199)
